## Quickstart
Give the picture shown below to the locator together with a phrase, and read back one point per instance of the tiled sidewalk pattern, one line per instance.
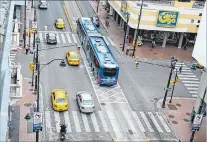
(26, 104)
(145, 51)
(178, 116)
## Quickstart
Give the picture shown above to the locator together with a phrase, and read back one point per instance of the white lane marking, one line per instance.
(146, 121)
(185, 78)
(67, 121)
(110, 40)
(196, 82)
(138, 121)
(40, 37)
(164, 124)
(95, 123)
(155, 122)
(12, 57)
(184, 70)
(76, 121)
(63, 38)
(194, 96)
(14, 38)
(103, 121)
(191, 85)
(58, 39)
(85, 122)
(193, 89)
(186, 73)
(106, 40)
(74, 38)
(57, 121)
(68, 37)
(53, 32)
(193, 92)
(47, 121)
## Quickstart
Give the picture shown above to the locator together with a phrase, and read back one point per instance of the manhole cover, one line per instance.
(30, 82)
(30, 89)
(186, 120)
(150, 50)
(179, 105)
(172, 107)
(155, 53)
(34, 93)
(103, 104)
(171, 116)
(188, 113)
(174, 122)
(27, 104)
(130, 132)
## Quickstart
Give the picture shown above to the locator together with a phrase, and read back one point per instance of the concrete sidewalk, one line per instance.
(145, 51)
(22, 129)
(178, 114)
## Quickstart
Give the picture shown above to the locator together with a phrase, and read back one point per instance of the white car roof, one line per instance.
(85, 95)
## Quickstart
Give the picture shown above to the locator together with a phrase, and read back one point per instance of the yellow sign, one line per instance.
(31, 66)
(167, 18)
(124, 7)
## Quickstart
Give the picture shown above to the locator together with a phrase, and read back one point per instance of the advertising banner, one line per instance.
(167, 19)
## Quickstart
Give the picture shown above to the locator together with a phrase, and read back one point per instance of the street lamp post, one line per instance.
(37, 61)
(127, 14)
(176, 73)
(25, 22)
(139, 18)
(173, 62)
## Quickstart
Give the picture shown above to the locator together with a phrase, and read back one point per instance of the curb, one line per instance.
(67, 16)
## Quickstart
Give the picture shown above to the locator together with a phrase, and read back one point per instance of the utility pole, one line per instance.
(38, 94)
(139, 18)
(128, 14)
(173, 62)
(98, 1)
(25, 22)
(37, 61)
(33, 70)
(199, 112)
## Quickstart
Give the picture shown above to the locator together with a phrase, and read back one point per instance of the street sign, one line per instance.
(37, 121)
(197, 122)
(34, 25)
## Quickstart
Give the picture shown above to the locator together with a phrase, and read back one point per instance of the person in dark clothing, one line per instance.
(63, 128)
(27, 50)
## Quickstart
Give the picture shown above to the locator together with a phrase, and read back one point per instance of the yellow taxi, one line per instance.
(73, 58)
(59, 100)
(59, 23)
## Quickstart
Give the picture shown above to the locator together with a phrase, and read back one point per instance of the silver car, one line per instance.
(85, 102)
(43, 5)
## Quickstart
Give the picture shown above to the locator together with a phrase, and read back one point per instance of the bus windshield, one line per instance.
(109, 72)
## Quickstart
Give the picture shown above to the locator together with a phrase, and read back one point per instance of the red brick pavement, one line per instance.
(145, 51)
(183, 128)
(28, 97)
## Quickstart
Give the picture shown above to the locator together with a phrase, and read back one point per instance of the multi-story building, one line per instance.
(171, 21)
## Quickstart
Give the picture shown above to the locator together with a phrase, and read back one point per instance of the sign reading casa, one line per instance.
(167, 19)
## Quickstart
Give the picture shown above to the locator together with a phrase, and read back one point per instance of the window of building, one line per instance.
(184, 0)
(192, 21)
(200, 14)
(197, 26)
(199, 21)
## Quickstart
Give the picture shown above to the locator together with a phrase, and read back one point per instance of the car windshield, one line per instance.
(60, 100)
(52, 36)
(74, 56)
(87, 102)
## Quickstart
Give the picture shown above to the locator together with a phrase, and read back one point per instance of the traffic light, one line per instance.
(31, 66)
(136, 64)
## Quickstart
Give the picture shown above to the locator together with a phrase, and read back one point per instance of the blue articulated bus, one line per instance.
(104, 66)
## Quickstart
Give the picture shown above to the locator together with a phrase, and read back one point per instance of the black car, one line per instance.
(51, 38)
(95, 21)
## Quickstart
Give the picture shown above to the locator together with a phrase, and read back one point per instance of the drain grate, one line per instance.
(27, 104)
(188, 113)
(30, 89)
(174, 122)
(179, 105)
(186, 120)
(130, 132)
(30, 82)
(172, 107)
(171, 116)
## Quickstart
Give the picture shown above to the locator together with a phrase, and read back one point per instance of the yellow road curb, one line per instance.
(79, 7)
(68, 16)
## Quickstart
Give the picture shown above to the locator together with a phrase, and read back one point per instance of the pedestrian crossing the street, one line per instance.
(145, 122)
(189, 79)
(67, 37)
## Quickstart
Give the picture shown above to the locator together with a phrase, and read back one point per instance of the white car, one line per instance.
(43, 5)
(85, 102)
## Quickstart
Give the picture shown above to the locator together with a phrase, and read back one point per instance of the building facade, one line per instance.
(172, 22)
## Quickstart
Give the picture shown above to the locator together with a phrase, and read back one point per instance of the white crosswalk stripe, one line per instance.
(76, 121)
(68, 37)
(85, 122)
(74, 38)
(137, 122)
(58, 38)
(63, 38)
(67, 121)
(189, 79)
(41, 37)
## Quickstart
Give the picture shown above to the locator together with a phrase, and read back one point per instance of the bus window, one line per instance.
(109, 72)
(96, 62)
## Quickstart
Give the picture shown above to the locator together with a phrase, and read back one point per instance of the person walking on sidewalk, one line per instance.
(27, 50)
(107, 24)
